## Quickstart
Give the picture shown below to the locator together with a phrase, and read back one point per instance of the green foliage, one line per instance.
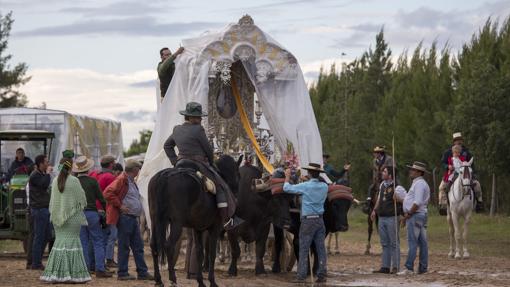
(139, 146)
(420, 100)
(10, 79)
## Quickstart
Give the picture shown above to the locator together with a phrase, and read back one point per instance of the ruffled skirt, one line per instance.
(66, 263)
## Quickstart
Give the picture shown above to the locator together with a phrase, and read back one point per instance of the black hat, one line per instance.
(313, 167)
(193, 109)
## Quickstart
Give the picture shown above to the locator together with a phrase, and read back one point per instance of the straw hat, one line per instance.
(379, 149)
(419, 166)
(314, 167)
(457, 136)
(82, 164)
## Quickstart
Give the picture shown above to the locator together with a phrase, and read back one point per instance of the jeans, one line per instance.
(41, 231)
(110, 241)
(417, 237)
(92, 234)
(105, 232)
(129, 238)
(312, 230)
(389, 242)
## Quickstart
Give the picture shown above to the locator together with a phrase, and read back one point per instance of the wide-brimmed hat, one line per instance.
(457, 135)
(379, 148)
(193, 109)
(419, 166)
(107, 159)
(82, 164)
(314, 167)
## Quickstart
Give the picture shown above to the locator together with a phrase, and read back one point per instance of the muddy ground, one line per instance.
(349, 268)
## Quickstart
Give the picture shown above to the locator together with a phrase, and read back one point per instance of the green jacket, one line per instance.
(92, 192)
(166, 70)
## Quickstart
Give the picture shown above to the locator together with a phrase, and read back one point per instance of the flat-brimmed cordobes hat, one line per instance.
(193, 109)
(313, 167)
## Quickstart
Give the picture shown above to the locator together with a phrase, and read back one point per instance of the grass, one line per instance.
(11, 246)
(487, 236)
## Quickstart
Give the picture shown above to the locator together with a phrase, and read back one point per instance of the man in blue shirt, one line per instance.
(314, 193)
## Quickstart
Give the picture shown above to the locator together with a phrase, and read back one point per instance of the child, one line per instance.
(454, 165)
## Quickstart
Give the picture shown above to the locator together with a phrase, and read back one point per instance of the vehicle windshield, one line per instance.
(8, 151)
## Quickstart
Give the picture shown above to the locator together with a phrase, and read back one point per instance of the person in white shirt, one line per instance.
(415, 218)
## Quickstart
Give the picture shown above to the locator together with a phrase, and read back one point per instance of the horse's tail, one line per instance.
(159, 220)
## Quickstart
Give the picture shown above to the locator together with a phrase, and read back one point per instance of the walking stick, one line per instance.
(395, 203)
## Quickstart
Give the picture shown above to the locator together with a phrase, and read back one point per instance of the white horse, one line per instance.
(461, 198)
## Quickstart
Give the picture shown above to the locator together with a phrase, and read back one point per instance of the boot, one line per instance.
(229, 223)
(479, 205)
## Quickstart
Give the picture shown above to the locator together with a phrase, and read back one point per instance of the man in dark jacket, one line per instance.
(191, 140)
(20, 165)
(39, 200)
(458, 140)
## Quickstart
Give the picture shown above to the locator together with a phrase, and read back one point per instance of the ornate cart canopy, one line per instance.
(223, 71)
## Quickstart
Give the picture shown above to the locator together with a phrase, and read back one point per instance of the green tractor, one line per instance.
(13, 192)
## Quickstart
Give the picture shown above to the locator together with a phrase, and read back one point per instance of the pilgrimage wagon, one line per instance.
(238, 74)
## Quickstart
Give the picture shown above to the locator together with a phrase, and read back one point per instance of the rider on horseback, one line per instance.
(454, 165)
(191, 140)
(443, 187)
(381, 160)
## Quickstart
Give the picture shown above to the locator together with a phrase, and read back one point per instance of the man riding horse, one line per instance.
(194, 148)
(381, 160)
(444, 187)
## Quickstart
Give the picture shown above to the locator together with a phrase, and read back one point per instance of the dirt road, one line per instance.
(349, 268)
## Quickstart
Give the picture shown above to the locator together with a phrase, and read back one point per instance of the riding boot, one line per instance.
(229, 222)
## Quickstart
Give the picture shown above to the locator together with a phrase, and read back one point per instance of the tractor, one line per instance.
(14, 221)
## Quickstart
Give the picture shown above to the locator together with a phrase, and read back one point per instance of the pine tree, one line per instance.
(10, 79)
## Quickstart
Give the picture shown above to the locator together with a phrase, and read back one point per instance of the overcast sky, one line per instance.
(98, 57)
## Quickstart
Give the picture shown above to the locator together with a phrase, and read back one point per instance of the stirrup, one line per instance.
(228, 223)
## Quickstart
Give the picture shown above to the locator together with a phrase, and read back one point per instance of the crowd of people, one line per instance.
(88, 211)
(81, 213)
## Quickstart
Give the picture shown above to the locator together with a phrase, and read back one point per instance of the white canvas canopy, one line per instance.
(273, 71)
(85, 135)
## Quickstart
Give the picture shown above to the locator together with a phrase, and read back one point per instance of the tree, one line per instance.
(139, 146)
(10, 79)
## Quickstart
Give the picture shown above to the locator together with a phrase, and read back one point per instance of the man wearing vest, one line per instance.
(415, 218)
(166, 68)
(314, 194)
(124, 197)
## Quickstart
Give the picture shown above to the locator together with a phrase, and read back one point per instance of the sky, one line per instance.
(99, 58)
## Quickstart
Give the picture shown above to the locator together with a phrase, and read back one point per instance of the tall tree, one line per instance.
(10, 79)
(139, 146)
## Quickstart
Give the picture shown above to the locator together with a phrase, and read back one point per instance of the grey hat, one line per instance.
(132, 164)
(193, 109)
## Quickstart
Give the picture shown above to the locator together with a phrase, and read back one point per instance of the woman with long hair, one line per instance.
(66, 263)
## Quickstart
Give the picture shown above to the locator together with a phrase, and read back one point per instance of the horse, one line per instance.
(461, 199)
(368, 208)
(258, 208)
(178, 198)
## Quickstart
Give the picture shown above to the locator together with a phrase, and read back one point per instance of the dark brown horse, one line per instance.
(368, 208)
(177, 198)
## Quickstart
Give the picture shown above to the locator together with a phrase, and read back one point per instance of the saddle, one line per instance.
(189, 166)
